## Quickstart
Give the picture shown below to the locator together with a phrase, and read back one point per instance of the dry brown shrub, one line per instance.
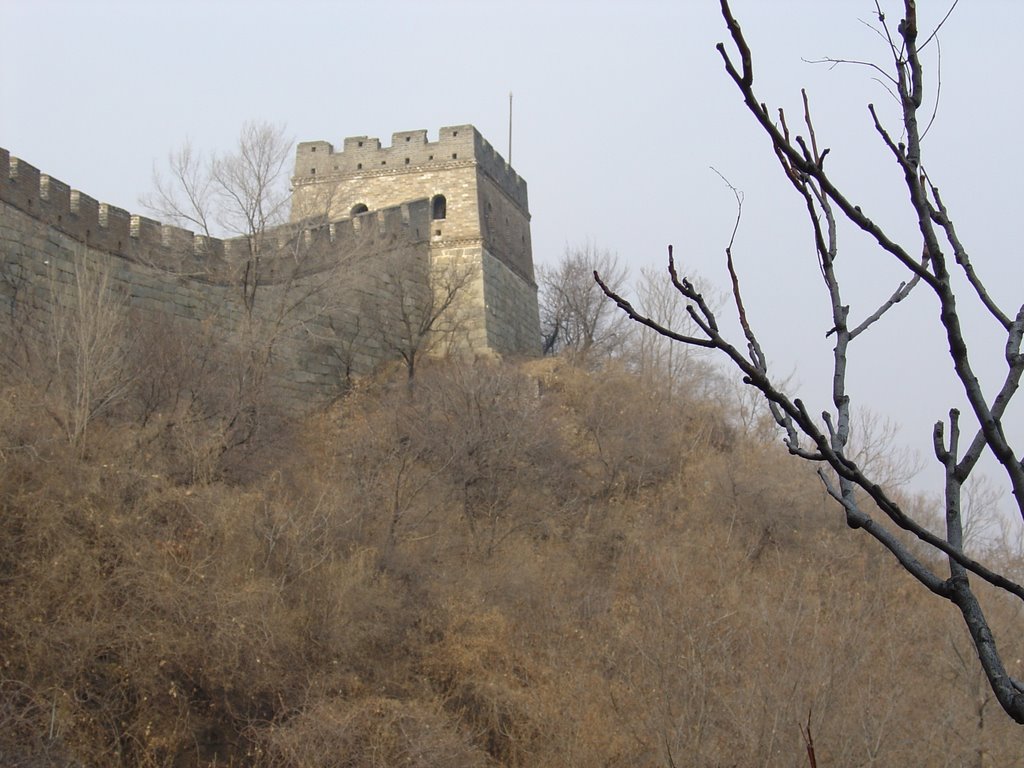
(295, 619)
(716, 656)
(484, 429)
(629, 434)
(161, 622)
(206, 403)
(485, 682)
(373, 732)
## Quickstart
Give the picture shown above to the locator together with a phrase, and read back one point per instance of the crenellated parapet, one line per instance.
(479, 213)
(315, 280)
(359, 251)
(107, 228)
(410, 151)
(76, 214)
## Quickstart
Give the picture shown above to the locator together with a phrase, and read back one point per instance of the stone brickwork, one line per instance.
(484, 215)
(331, 277)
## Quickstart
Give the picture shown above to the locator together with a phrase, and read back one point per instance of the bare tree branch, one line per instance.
(575, 318)
(861, 494)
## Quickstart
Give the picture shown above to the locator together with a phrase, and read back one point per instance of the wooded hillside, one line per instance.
(533, 565)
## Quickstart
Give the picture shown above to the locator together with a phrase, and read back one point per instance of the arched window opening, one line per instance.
(439, 207)
(359, 208)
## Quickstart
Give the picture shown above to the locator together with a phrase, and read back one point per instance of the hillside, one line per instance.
(507, 565)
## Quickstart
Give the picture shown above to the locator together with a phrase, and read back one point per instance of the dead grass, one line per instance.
(512, 566)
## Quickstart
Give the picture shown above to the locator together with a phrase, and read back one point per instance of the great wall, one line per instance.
(396, 221)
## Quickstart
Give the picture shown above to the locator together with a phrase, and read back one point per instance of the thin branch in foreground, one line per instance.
(833, 63)
(867, 504)
(939, 26)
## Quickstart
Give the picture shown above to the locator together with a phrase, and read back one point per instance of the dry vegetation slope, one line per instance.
(516, 566)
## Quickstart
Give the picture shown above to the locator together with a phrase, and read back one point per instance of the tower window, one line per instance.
(455, 155)
(359, 166)
(359, 208)
(438, 207)
(312, 171)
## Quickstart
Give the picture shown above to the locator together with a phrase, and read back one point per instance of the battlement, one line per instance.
(114, 230)
(410, 151)
(453, 202)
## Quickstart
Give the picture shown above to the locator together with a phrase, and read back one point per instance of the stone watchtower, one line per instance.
(479, 216)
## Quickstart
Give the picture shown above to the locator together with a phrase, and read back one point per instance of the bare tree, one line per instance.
(278, 283)
(242, 193)
(479, 425)
(678, 368)
(420, 308)
(575, 318)
(85, 351)
(941, 263)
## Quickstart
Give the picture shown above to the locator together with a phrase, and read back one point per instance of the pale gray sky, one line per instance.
(620, 111)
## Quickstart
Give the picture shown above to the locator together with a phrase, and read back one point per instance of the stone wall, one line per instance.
(362, 155)
(318, 283)
(328, 291)
(485, 211)
(511, 307)
(506, 231)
